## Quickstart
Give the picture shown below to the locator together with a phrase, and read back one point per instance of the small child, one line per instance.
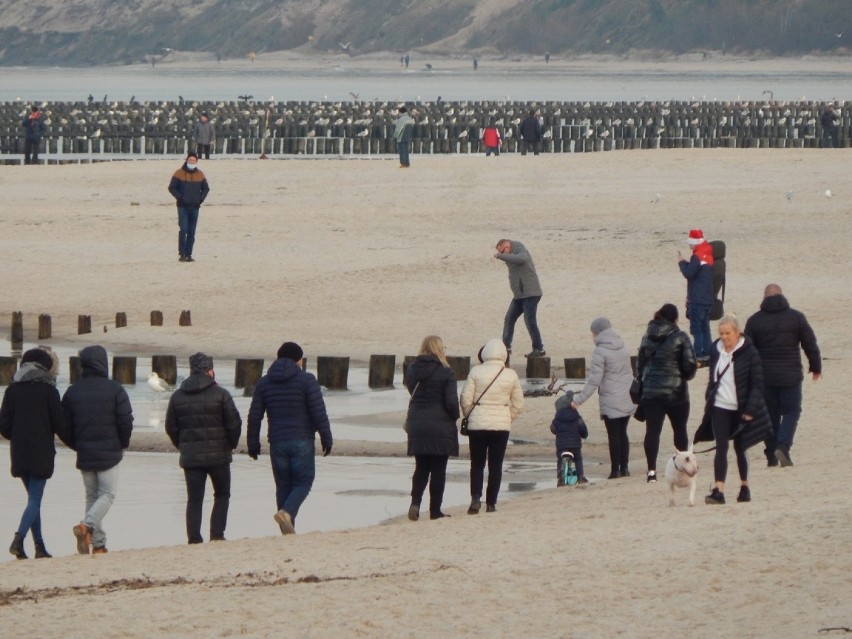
(491, 138)
(570, 430)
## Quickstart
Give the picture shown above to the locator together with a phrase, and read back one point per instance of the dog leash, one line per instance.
(740, 429)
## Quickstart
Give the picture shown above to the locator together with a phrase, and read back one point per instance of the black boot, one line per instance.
(41, 551)
(17, 547)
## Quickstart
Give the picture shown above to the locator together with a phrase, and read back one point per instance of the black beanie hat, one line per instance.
(38, 356)
(290, 350)
(200, 363)
(667, 312)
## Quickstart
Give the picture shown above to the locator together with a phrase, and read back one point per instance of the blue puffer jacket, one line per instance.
(98, 414)
(292, 401)
(699, 281)
(569, 428)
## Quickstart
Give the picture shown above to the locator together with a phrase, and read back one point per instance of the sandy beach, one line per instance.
(356, 257)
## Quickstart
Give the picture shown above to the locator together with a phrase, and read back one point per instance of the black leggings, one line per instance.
(619, 445)
(424, 466)
(655, 413)
(490, 445)
(725, 422)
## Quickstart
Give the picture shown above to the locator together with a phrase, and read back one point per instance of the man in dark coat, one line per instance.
(292, 401)
(189, 188)
(204, 424)
(34, 130)
(778, 332)
(530, 133)
(99, 420)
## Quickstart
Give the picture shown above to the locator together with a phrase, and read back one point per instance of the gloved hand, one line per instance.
(254, 452)
(326, 450)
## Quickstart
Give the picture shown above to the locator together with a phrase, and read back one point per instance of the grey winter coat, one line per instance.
(204, 133)
(611, 374)
(522, 276)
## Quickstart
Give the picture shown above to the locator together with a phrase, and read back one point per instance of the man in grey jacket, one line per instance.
(526, 292)
(205, 136)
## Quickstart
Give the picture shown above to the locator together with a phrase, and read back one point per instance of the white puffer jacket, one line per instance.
(503, 402)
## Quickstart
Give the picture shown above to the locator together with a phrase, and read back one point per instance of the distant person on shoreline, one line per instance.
(491, 138)
(205, 425)
(204, 135)
(530, 133)
(292, 401)
(189, 188)
(402, 135)
(100, 421)
(30, 417)
(34, 130)
(526, 294)
(830, 130)
(431, 424)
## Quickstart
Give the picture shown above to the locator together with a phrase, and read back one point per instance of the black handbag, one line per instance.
(463, 430)
(636, 390)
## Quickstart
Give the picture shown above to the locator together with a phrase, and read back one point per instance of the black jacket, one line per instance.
(569, 428)
(203, 422)
(29, 417)
(531, 129)
(666, 361)
(778, 331)
(98, 413)
(433, 408)
(189, 188)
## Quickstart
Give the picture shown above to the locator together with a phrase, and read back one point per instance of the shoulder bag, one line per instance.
(463, 430)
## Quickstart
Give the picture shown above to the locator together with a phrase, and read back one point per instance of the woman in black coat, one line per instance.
(735, 408)
(30, 416)
(431, 424)
(666, 362)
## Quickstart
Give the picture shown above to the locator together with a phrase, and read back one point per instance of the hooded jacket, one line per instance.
(403, 129)
(433, 408)
(189, 188)
(203, 422)
(503, 401)
(292, 401)
(666, 361)
(698, 272)
(611, 374)
(522, 276)
(569, 428)
(778, 332)
(30, 416)
(98, 414)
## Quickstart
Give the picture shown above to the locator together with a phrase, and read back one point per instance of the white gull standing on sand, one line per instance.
(157, 384)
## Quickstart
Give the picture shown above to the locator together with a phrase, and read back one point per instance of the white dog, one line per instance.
(682, 471)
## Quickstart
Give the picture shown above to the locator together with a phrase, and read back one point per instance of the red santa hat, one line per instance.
(696, 237)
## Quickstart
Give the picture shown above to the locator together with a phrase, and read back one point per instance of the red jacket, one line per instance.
(491, 136)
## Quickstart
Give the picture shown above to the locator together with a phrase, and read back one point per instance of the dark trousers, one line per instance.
(726, 422)
(196, 478)
(529, 144)
(424, 467)
(655, 414)
(487, 445)
(784, 405)
(31, 148)
(619, 445)
(203, 150)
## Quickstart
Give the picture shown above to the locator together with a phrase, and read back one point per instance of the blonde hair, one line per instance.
(434, 345)
(729, 319)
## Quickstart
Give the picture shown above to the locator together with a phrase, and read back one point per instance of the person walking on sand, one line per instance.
(30, 417)
(526, 294)
(292, 401)
(402, 134)
(779, 332)
(431, 424)
(204, 135)
(34, 130)
(205, 425)
(698, 271)
(491, 399)
(100, 421)
(491, 138)
(530, 133)
(189, 188)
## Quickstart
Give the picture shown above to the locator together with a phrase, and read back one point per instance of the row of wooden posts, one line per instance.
(84, 324)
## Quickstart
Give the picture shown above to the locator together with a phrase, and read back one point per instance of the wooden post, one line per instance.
(460, 366)
(185, 319)
(120, 320)
(17, 337)
(156, 318)
(84, 324)
(45, 330)
(247, 372)
(332, 372)
(75, 368)
(166, 367)
(124, 369)
(406, 362)
(538, 367)
(8, 368)
(381, 371)
(575, 368)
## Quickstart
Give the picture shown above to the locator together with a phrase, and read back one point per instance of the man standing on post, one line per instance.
(526, 292)
(778, 332)
(402, 135)
(34, 129)
(99, 420)
(204, 424)
(292, 401)
(698, 271)
(189, 188)
(530, 133)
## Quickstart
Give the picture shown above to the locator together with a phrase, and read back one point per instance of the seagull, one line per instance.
(157, 384)
(657, 197)
(828, 193)
(346, 46)
(789, 195)
(428, 66)
(356, 96)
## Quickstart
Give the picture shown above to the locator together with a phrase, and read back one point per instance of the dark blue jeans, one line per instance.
(527, 306)
(31, 519)
(294, 469)
(784, 404)
(699, 328)
(196, 480)
(402, 147)
(187, 221)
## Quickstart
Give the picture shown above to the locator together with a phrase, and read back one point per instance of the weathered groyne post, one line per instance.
(166, 367)
(333, 372)
(381, 371)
